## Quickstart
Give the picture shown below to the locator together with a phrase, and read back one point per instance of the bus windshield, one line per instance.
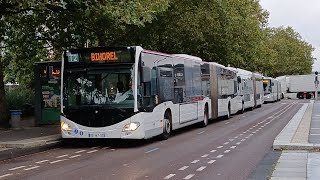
(267, 86)
(109, 87)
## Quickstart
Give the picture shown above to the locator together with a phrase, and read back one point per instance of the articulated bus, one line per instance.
(133, 93)
(250, 89)
(272, 89)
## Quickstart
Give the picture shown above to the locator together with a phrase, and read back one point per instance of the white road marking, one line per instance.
(240, 134)
(231, 139)
(226, 143)
(15, 168)
(238, 143)
(169, 176)
(254, 132)
(201, 132)
(151, 150)
(5, 175)
(195, 161)
(213, 150)
(260, 128)
(220, 147)
(74, 156)
(244, 132)
(227, 151)
(189, 176)
(89, 152)
(39, 162)
(183, 168)
(227, 122)
(62, 156)
(53, 162)
(205, 155)
(34, 167)
(232, 147)
(106, 148)
(201, 168)
(236, 137)
(211, 161)
(219, 156)
(80, 151)
(94, 147)
(243, 139)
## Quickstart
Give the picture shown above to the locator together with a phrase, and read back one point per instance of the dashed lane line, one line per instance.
(169, 176)
(205, 155)
(62, 156)
(238, 143)
(71, 157)
(219, 147)
(151, 150)
(5, 175)
(219, 156)
(232, 147)
(15, 168)
(195, 161)
(189, 176)
(53, 162)
(80, 151)
(211, 161)
(226, 143)
(89, 152)
(243, 139)
(201, 168)
(227, 151)
(95, 147)
(201, 132)
(34, 167)
(231, 139)
(39, 162)
(213, 150)
(183, 168)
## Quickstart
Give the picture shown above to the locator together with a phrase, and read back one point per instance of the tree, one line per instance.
(31, 29)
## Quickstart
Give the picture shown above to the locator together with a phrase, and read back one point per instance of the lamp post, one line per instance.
(316, 83)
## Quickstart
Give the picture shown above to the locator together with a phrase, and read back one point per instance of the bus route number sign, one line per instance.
(73, 58)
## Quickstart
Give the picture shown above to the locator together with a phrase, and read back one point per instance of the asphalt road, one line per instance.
(229, 149)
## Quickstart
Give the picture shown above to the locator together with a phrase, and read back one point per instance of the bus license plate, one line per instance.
(96, 135)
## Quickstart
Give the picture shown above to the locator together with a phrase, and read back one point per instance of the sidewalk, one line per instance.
(28, 139)
(300, 145)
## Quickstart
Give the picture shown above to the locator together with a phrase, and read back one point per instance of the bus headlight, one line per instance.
(65, 126)
(131, 126)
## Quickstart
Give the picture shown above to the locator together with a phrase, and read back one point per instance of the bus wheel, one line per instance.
(166, 127)
(242, 109)
(205, 118)
(229, 113)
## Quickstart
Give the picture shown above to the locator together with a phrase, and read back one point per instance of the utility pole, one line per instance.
(316, 83)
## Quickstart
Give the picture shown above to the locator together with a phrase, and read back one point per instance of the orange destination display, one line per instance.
(104, 56)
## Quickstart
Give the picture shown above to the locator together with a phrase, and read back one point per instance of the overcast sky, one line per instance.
(302, 15)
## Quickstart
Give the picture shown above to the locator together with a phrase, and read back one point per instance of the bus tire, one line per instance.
(167, 126)
(242, 109)
(229, 112)
(205, 121)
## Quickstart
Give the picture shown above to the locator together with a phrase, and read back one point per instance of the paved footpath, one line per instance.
(300, 144)
(28, 140)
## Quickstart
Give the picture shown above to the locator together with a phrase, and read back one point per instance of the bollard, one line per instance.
(15, 119)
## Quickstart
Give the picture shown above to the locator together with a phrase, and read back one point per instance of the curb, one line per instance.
(297, 146)
(10, 153)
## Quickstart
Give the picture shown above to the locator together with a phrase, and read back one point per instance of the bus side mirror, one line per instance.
(239, 79)
(146, 74)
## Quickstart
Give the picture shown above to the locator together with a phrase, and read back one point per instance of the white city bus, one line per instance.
(258, 89)
(132, 93)
(272, 89)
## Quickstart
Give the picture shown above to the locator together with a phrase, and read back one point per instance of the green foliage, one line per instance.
(19, 98)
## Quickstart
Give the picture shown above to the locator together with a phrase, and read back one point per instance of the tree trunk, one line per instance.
(4, 119)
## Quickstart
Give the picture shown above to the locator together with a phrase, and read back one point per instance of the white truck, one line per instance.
(303, 85)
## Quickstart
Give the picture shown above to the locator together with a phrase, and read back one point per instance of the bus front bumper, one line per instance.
(126, 129)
